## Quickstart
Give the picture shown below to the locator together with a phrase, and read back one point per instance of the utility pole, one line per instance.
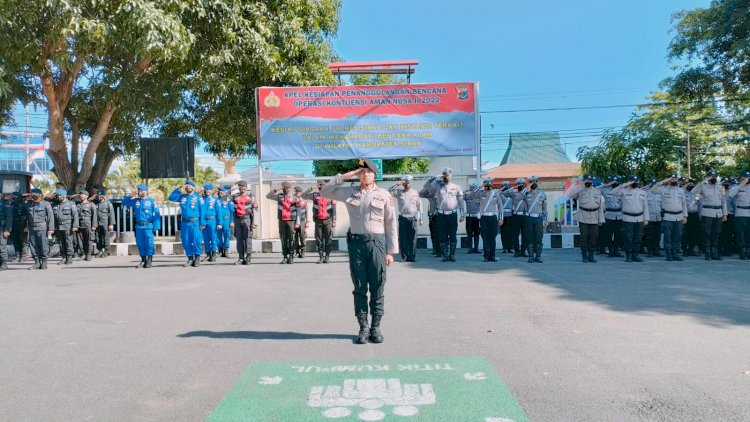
(688, 150)
(26, 136)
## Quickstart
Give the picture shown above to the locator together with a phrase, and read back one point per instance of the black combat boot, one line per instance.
(364, 331)
(37, 265)
(444, 251)
(196, 261)
(675, 255)
(247, 259)
(530, 254)
(636, 258)
(142, 263)
(584, 255)
(320, 257)
(290, 258)
(3, 266)
(538, 253)
(326, 259)
(283, 261)
(628, 255)
(149, 260)
(715, 254)
(43, 265)
(375, 335)
(592, 258)
(452, 252)
(668, 253)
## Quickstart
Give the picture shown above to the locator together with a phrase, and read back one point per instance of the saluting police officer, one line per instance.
(66, 223)
(372, 241)
(491, 212)
(741, 195)
(517, 196)
(432, 219)
(505, 230)
(225, 223)
(87, 221)
(409, 206)
(634, 217)
(41, 224)
(611, 235)
(726, 239)
(300, 231)
(287, 213)
(652, 232)
(472, 217)
(535, 220)
(324, 217)
(147, 222)
(450, 211)
(6, 220)
(244, 222)
(192, 221)
(674, 208)
(713, 213)
(590, 215)
(692, 236)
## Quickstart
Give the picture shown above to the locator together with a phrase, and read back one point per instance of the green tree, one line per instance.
(407, 165)
(104, 70)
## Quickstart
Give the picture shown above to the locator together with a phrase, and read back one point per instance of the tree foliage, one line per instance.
(406, 165)
(106, 70)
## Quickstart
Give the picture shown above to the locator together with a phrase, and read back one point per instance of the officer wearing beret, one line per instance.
(226, 223)
(675, 211)
(324, 217)
(192, 221)
(590, 215)
(87, 221)
(41, 224)
(245, 207)
(105, 217)
(211, 218)
(66, 223)
(740, 193)
(635, 216)
(713, 213)
(409, 206)
(147, 223)
(288, 216)
(372, 240)
(451, 208)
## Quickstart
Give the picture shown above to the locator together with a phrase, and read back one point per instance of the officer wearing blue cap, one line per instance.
(211, 217)
(193, 221)
(740, 193)
(147, 223)
(41, 223)
(105, 217)
(66, 223)
(225, 224)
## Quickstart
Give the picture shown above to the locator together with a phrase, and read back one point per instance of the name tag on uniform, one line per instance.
(353, 201)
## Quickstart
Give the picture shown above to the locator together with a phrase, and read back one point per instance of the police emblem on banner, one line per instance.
(462, 92)
(272, 100)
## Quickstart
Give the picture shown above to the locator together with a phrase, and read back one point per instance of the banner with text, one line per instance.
(384, 121)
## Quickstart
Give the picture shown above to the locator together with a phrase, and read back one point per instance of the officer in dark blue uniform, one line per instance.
(147, 222)
(191, 208)
(41, 224)
(211, 216)
(225, 224)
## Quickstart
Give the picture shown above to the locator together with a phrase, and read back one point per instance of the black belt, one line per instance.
(712, 207)
(189, 220)
(365, 237)
(590, 209)
(243, 217)
(672, 212)
(613, 209)
(630, 214)
(742, 208)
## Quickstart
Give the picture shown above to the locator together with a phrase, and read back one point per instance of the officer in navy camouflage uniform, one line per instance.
(87, 221)
(19, 233)
(105, 218)
(41, 225)
(66, 224)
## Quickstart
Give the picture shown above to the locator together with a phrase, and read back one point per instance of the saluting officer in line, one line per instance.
(41, 222)
(726, 239)
(491, 212)
(87, 223)
(713, 213)
(634, 217)
(147, 223)
(432, 219)
(590, 215)
(6, 220)
(324, 217)
(517, 196)
(652, 232)
(741, 195)
(192, 221)
(505, 230)
(244, 222)
(611, 235)
(472, 217)
(535, 220)
(211, 218)
(288, 219)
(225, 223)
(372, 241)
(692, 236)
(19, 233)
(409, 206)
(105, 217)
(66, 223)
(450, 211)
(300, 231)
(674, 208)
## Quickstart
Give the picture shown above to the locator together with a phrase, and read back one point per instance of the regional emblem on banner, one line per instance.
(463, 92)
(272, 100)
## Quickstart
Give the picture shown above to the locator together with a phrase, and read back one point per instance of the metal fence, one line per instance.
(170, 219)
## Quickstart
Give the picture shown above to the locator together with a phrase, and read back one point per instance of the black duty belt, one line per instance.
(189, 220)
(712, 207)
(613, 209)
(590, 209)
(365, 237)
(243, 217)
(742, 208)
(630, 214)
(672, 212)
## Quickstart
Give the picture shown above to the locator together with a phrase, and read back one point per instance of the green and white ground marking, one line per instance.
(426, 389)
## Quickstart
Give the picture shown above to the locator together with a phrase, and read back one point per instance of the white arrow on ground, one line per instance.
(269, 380)
(475, 377)
(497, 420)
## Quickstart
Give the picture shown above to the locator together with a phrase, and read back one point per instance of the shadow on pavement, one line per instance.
(265, 335)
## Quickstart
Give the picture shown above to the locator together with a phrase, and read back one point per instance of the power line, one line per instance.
(664, 103)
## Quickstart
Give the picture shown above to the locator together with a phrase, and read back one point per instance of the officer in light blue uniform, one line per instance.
(225, 223)
(211, 216)
(147, 223)
(191, 209)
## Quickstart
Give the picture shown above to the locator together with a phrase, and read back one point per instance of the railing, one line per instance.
(124, 222)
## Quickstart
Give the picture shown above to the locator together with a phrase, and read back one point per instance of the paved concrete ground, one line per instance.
(102, 341)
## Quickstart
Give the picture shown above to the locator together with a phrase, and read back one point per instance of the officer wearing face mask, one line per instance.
(289, 219)
(515, 222)
(611, 235)
(740, 193)
(450, 211)
(41, 224)
(692, 236)
(726, 240)
(226, 223)
(535, 220)
(675, 215)
(590, 215)
(713, 213)
(652, 232)
(491, 211)
(635, 216)
(505, 230)
(409, 206)
(472, 217)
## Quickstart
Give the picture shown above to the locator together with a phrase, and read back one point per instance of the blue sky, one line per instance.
(524, 54)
